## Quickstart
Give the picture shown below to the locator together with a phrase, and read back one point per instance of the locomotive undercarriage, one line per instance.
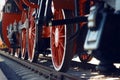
(103, 36)
(67, 31)
(13, 36)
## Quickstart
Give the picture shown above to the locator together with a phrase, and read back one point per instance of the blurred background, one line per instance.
(2, 2)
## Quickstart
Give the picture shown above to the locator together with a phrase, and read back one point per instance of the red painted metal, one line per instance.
(64, 4)
(30, 4)
(46, 32)
(19, 4)
(31, 35)
(59, 34)
(58, 41)
(9, 18)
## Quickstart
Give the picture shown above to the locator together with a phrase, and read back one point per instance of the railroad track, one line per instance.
(44, 71)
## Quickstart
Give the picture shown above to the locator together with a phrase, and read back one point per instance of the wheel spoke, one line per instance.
(53, 33)
(23, 50)
(32, 40)
(61, 45)
(61, 52)
(57, 40)
(57, 56)
(33, 29)
(61, 28)
(33, 33)
(62, 36)
(53, 40)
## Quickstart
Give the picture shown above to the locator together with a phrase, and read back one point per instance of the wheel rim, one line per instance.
(23, 43)
(58, 41)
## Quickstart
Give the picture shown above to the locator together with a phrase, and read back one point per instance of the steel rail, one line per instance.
(47, 72)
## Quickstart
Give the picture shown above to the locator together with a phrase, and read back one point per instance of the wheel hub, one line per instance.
(56, 37)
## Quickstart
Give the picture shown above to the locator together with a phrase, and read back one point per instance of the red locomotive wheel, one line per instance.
(61, 47)
(23, 44)
(32, 56)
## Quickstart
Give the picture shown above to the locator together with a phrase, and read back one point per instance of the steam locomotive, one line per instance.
(64, 28)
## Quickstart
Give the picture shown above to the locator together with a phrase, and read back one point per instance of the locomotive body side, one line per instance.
(8, 18)
(64, 4)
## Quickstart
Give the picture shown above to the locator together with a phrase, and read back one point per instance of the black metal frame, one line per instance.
(44, 18)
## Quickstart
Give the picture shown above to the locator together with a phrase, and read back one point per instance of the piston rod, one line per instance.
(67, 21)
